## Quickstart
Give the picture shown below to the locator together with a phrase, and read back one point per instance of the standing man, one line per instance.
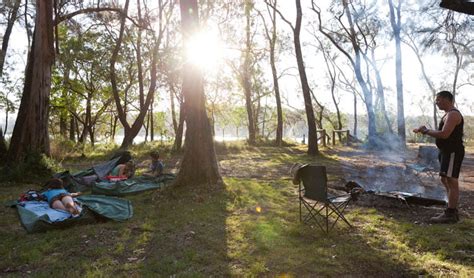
(451, 153)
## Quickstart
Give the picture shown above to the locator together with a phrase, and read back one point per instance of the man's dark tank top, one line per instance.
(454, 141)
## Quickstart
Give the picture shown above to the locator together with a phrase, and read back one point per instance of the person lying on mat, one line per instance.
(156, 166)
(123, 171)
(60, 198)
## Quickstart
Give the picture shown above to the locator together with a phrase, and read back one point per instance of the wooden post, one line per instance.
(323, 135)
(345, 131)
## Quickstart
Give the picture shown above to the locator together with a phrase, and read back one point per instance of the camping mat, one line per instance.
(132, 185)
(37, 216)
(79, 181)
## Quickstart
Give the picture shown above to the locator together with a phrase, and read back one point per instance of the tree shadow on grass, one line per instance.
(188, 233)
(288, 247)
(410, 225)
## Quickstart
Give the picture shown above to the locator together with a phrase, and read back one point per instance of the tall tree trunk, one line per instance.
(147, 126)
(381, 92)
(312, 134)
(72, 129)
(114, 127)
(152, 121)
(368, 100)
(3, 147)
(178, 140)
(395, 20)
(130, 132)
(199, 163)
(272, 38)
(178, 124)
(31, 127)
(246, 83)
(459, 60)
(173, 111)
(355, 115)
(6, 121)
(12, 16)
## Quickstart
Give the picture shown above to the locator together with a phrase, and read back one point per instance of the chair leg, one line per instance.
(300, 211)
(313, 214)
(327, 218)
(339, 212)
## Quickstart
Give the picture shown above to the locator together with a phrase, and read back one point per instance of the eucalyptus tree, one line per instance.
(8, 94)
(3, 145)
(30, 134)
(395, 21)
(350, 40)
(244, 73)
(11, 9)
(80, 87)
(166, 21)
(372, 65)
(442, 32)
(271, 34)
(199, 163)
(170, 74)
(332, 73)
(117, 62)
(311, 120)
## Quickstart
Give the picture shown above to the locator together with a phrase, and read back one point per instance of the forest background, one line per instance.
(78, 74)
(372, 67)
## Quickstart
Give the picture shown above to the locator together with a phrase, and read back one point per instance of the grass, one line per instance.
(247, 227)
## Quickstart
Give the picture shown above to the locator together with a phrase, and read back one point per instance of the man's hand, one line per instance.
(422, 129)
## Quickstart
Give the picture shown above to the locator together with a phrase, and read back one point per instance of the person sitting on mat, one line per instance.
(156, 166)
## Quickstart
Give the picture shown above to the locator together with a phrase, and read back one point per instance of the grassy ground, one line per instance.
(247, 227)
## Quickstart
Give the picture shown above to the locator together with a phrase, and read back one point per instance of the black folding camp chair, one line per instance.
(313, 196)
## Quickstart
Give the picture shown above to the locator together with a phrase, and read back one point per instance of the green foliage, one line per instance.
(35, 168)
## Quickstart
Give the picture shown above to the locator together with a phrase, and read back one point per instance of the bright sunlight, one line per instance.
(205, 50)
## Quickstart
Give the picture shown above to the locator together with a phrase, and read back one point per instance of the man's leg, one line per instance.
(453, 192)
(444, 181)
(450, 163)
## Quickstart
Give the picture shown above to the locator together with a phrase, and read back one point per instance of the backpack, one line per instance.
(31, 195)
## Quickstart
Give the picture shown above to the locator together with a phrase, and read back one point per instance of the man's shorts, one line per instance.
(450, 163)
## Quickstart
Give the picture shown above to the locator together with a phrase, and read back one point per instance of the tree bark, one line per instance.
(30, 133)
(272, 38)
(178, 140)
(380, 92)
(246, 83)
(72, 130)
(395, 20)
(312, 135)
(199, 163)
(3, 146)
